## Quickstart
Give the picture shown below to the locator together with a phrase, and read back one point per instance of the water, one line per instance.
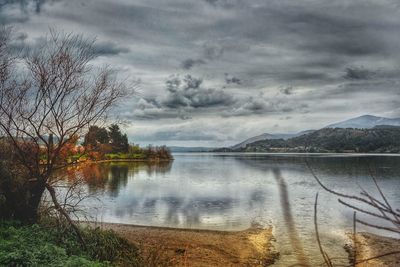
(231, 191)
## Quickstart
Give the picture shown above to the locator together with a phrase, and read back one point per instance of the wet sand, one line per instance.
(184, 247)
(369, 246)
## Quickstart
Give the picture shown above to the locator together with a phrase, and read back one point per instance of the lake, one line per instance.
(234, 190)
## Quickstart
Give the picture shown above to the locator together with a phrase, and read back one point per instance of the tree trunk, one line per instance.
(65, 214)
(21, 202)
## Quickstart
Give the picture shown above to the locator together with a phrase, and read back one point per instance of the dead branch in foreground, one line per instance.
(383, 212)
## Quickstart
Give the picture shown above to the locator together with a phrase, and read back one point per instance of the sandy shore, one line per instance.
(195, 248)
(370, 245)
(162, 246)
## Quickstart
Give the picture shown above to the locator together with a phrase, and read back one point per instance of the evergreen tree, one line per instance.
(95, 136)
(118, 141)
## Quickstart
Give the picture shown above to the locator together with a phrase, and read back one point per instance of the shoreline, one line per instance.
(128, 160)
(254, 246)
(370, 246)
(200, 247)
(119, 160)
(116, 160)
(352, 154)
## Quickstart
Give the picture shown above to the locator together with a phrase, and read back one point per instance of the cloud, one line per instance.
(150, 109)
(222, 3)
(287, 90)
(212, 50)
(21, 41)
(262, 105)
(182, 97)
(190, 92)
(232, 80)
(211, 2)
(176, 134)
(189, 63)
(358, 73)
(109, 48)
(316, 47)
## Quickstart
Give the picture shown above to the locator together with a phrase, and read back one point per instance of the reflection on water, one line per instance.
(112, 177)
(294, 237)
(230, 191)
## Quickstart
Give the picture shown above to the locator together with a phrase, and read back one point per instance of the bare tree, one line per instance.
(46, 98)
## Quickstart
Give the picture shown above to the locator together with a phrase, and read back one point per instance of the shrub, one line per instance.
(106, 245)
(47, 245)
(35, 246)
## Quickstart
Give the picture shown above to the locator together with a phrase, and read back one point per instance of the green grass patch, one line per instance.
(125, 156)
(35, 245)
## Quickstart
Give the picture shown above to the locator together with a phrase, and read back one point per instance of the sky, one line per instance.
(216, 72)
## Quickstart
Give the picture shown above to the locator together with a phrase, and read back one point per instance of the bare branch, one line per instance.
(327, 260)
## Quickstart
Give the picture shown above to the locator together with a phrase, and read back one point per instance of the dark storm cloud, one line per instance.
(287, 90)
(358, 73)
(189, 63)
(336, 34)
(151, 109)
(182, 97)
(190, 92)
(187, 96)
(232, 79)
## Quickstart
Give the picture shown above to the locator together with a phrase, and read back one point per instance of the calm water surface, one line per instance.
(232, 191)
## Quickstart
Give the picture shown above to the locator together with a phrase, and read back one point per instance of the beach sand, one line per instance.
(369, 246)
(184, 247)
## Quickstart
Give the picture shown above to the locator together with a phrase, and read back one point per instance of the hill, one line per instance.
(365, 122)
(381, 139)
(362, 122)
(266, 136)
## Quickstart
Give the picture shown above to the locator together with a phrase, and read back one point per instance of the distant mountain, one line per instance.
(267, 136)
(366, 122)
(362, 122)
(178, 149)
(381, 139)
(260, 137)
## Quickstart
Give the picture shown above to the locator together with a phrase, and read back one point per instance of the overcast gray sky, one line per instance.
(215, 72)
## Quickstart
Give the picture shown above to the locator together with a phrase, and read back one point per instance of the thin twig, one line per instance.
(323, 253)
(354, 238)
